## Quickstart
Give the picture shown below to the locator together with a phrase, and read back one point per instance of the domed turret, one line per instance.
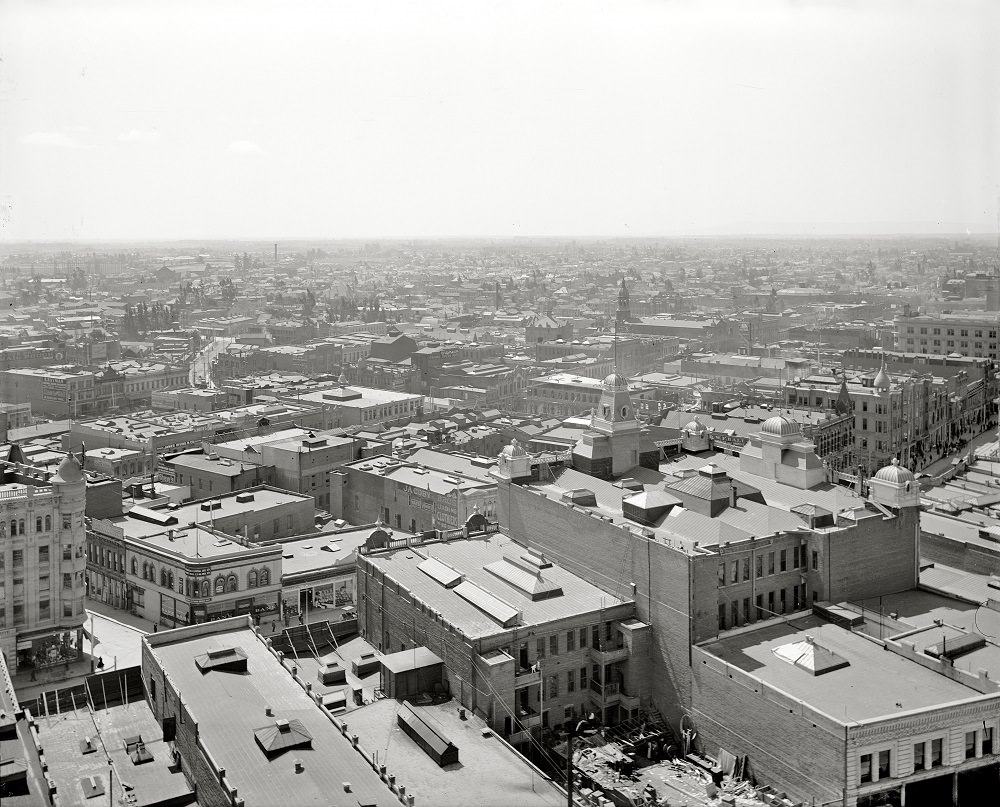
(694, 427)
(70, 471)
(895, 486)
(895, 473)
(616, 381)
(515, 449)
(780, 426)
(882, 381)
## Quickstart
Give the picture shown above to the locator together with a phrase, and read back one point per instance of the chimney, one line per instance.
(734, 496)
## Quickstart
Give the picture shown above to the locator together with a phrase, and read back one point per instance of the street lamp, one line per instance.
(585, 728)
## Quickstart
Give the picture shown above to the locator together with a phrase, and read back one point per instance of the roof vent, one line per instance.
(243, 498)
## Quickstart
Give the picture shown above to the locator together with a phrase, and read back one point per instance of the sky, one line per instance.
(175, 120)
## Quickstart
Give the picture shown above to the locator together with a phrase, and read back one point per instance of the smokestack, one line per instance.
(275, 254)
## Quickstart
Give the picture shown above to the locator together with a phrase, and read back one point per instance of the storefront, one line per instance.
(48, 650)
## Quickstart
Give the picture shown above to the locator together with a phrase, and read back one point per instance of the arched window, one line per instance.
(220, 584)
(170, 580)
(20, 526)
(48, 523)
(231, 584)
(135, 566)
(265, 576)
(145, 570)
(163, 577)
(38, 524)
(252, 579)
(206, 589)
(13, 526)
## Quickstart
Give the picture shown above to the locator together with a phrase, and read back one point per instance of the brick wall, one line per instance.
(786, 741)
(958, 554)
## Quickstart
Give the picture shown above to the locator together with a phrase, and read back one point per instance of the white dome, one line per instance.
(515, 449)
(882, 380)
(895, 473)
(616, 381)
(69, 471)
(779, 425)
(695, 426)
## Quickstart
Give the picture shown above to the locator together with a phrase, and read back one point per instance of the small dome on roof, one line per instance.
(882, 381)
(895, 473)
(694, 426)
(616, 381)
(779, 425)
(515, 449)
(69, 471)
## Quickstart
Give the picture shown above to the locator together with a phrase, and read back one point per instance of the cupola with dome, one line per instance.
(895, 486)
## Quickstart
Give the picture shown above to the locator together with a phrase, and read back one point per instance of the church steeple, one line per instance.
(623, 313)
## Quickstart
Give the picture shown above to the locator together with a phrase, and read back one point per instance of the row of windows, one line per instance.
(18, 526)
(574, 639)
(778, 602)
(739, 570)
(976, 332)
(926, 755)
(203, 587)
(44, 555)
(44, 611)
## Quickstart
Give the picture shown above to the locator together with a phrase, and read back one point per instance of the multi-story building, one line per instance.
(57, 392)
(564, 395)
(42, 563)
(408, 495)
(360, 406)
(915, 418)
(13, 416)
(525, 642)
(198, 561)
(972, 333)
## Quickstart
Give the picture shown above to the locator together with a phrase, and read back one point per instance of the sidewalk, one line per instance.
(105, 610)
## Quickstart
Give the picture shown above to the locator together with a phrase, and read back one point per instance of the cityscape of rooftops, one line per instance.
(499, 403)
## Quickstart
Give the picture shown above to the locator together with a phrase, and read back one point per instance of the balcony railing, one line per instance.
(606, 654)
(526, 676)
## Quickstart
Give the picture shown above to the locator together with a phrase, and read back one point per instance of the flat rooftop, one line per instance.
(488, 771)
(468, 558)
(152, 782)
(870, 686)
(322, 551)
(230, 707)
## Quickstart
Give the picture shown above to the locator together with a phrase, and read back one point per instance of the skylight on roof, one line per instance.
(811, 657)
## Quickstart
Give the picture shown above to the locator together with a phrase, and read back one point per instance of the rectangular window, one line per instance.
(918, 756)
(746, 569)
(883, 764)
(760, 566)
(784, 601)
(43, 554)
(44, 610)
(276, 526)
(734, 572)
(936, 753)
(67, 580)
(722, 574)
(770, 563)
(553, 687)
(583, 678)
(815, 558)
(770, 604)
(987, 741)
(866, 768)
(540, 648)
(570, 681)
(18, 558)
(970, 745)
(68, 608)
(734, 613)
(722, 616)
(18, 613)
(570, 641)
(583, 638)
(67, 551)
(554, 645)
(43, 583)
(795, 557)
(760, 607)
(783, 560)
(746, 609)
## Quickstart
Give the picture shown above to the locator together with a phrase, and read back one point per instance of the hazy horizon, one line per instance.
(153, 122)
